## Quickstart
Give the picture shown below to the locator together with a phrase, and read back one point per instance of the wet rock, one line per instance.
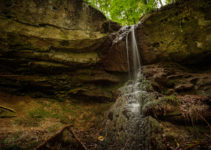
(115, 58)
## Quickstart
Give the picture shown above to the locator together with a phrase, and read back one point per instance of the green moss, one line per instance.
(171, 99)
(39, 113)
(147, 84)
(42, 112)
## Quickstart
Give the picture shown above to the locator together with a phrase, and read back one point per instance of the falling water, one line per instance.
(132, 89)
(134, 92)
(127, 127)
(133, 56)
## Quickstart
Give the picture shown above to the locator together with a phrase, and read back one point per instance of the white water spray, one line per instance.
(132, 90)
(133, 56)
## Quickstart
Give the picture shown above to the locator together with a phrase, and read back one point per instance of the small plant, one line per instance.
(171, 99)
(5, 141)
(161, 106)
(193, 109)
(195, 113)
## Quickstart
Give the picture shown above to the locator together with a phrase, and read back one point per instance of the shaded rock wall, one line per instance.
(52, 48)
(179, 32)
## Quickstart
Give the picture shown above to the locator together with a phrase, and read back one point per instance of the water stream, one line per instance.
(126, 127)
(134, 95)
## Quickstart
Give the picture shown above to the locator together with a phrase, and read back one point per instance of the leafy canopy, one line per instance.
(126, 12)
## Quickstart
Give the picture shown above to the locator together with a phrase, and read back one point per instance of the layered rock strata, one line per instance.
(53, 48)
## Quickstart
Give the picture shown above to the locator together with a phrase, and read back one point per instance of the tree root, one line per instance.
(191, 146)
(55, 141)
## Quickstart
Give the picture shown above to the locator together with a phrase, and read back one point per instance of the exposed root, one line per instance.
(191, 146)
(56, 141)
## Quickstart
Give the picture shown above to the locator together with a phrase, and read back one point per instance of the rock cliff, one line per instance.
(65, 48)
(52, 48)
(179, 33)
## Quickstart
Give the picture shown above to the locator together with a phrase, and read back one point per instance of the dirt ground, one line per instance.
(38, 119)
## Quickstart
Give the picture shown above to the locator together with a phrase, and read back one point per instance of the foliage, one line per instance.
(161, 106)
(126, 12)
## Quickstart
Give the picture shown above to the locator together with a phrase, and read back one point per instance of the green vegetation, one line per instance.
(50, 110)
(162, 102)
(126, 12)
(162, 106)
(39, 113)
(171, 99)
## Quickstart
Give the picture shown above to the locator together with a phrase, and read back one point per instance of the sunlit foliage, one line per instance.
(126, 12)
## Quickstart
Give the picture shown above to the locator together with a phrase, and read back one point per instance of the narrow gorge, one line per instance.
(71, 79)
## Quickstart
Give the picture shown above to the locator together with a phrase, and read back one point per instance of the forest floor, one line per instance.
(37, 119)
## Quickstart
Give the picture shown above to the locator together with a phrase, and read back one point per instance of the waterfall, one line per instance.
(132, 89)
(134, 94)
(133, 56)
(126, 129)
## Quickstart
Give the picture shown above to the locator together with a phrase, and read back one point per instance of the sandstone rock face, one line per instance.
(179, 33)
(53, 47)
(67, 14)
(115, 57)
(46, 25)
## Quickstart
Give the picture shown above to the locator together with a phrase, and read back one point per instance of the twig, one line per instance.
(191, 146)
(9, 109)
(205, 121)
